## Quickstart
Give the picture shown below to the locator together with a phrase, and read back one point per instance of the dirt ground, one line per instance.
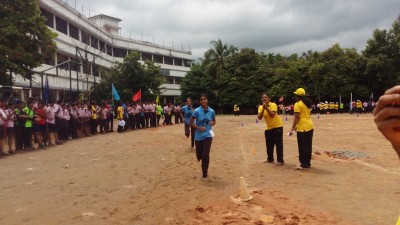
(151, 176)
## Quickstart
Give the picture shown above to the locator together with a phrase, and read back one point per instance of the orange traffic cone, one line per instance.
(244, 193)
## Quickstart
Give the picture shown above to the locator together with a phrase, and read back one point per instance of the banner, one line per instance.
(137, 96)
(115, 93)
(157, 99)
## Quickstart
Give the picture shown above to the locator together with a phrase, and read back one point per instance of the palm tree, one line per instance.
(215, 57)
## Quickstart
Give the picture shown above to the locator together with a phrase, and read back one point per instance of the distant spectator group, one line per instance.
(35, 125)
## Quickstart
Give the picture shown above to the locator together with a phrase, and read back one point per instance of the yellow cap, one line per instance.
(300, 92)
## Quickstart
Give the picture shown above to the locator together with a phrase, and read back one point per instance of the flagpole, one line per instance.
(112, 95)
(351, 102)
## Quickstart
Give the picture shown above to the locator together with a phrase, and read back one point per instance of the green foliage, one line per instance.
(215, 57)
(382, 58)
(242, 80)
(198, 82)
(129, 77)
(24, 37)
(240, 77)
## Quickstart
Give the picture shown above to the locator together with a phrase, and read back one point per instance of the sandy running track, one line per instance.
(151, 177)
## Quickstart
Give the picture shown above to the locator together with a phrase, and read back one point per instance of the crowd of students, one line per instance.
(35, 125)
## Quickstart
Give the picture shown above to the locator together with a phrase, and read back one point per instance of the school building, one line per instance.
(87, 46)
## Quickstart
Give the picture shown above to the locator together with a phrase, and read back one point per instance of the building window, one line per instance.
(61, 25)
(178, 62)
(102, 46)
(169, 80)
(119, 52)
(178, 80)
(187, 63)
(85, 37)
(49, 59)
(87, 67)
(94, 42)
(73, 32)
(165, 72)
(168, 60)
(146, 56)
(109, 50)
(75, 66)
(158, 58)
(49, 18)
(60, 59)
(96, 70)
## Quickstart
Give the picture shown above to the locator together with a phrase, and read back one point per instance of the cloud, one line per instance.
(279, 26)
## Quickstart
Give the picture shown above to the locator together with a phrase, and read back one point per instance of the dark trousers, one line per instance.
(28, 137)
(304, 142)
(166, 119)
(19, 136)
(110, 122)
(177, 117)
(103, 125)
(142, 121)
(158, 120)
(203, 153)
(274, 137)
(153, 119)
(189, 130)
(93, 126)
(132, 121)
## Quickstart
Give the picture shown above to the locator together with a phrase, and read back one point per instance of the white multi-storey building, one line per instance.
(85, 45)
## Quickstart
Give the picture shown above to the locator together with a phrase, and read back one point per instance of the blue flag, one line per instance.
(46, 91)
(115, 93)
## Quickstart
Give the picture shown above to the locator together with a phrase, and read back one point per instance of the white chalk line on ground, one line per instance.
(374, 166)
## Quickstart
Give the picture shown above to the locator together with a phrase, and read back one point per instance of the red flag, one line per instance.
(137, 96)
(281, 99)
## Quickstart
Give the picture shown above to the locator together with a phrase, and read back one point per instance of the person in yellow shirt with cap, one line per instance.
(273, 131)
(236, 110)
(304, 126)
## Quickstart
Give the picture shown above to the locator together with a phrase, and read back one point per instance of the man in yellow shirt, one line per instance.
(359, 107)
(273, 130)
(305, 128)
(236, 110)
(120, 117)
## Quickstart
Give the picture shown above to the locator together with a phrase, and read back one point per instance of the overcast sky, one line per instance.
(270, 26)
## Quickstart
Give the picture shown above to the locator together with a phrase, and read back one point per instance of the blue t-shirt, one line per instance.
(187, 112)
(203, 119)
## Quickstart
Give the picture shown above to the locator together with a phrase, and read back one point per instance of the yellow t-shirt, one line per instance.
(305, 123)
(119, 112)
(94, 113)
(271, 122)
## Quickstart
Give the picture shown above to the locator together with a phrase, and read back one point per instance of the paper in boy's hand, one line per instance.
(212, 133)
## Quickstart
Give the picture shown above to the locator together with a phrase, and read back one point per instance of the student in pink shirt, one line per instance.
(10, 126)
(3, 119)
(51, 124)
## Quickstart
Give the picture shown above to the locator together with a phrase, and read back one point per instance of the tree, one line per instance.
(215, 57)
(197, 82)
(243, 79)
(382, 56)
(24, 37)
(129, 77)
